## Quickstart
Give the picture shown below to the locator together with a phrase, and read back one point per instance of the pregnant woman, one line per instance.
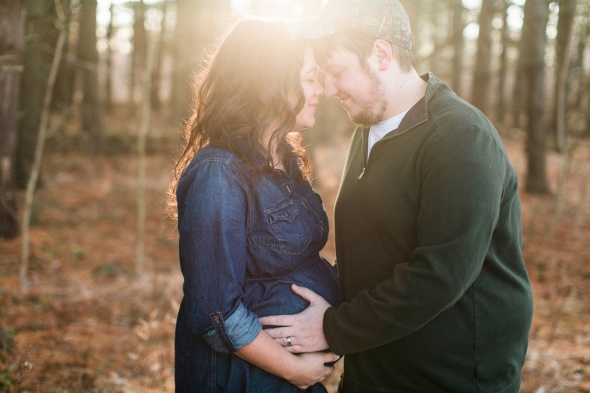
(250, 223)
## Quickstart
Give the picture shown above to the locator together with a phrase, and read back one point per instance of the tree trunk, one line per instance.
(157, 67)
(183, 35)
(39, 147)
(567, 11)
(584, 84)
(438, 37)
(63, 94)
(588, 111)
(536, 13)
(108, 91)
(141, 155)
(41, 33)
(501, 107)
(88, 55)
(11, 67)
(519, 80)
(458, 45)
(480, 93)
(578, 65)
(561, 123)
(138, 55)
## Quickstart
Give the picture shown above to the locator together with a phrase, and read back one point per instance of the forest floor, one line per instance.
(89, 323)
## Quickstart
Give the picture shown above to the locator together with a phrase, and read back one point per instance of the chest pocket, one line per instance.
(289, 227)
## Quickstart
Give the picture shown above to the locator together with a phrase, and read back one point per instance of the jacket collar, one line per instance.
(419, 112)
(247, 151)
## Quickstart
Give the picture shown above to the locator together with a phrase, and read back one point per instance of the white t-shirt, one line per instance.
(379, 130)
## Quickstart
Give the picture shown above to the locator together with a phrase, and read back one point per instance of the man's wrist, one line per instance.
(326, 323)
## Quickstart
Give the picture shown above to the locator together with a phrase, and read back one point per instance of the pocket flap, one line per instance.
(287, 213)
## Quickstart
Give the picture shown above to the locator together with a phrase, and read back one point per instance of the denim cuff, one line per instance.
(239, 330)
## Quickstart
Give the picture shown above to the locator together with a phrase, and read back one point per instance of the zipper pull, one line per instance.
(361, 175)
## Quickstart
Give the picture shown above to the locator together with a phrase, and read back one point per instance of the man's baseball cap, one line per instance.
(386, 19)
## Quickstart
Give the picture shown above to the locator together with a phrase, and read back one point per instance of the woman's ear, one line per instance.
(382, 49)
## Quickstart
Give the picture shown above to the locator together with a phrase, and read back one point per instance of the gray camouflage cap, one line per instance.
(386, 19)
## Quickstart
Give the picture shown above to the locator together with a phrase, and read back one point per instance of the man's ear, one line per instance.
(382, 49)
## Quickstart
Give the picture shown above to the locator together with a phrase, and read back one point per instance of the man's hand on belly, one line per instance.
(301, 332)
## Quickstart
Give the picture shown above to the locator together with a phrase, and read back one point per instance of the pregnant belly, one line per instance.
(273, 296)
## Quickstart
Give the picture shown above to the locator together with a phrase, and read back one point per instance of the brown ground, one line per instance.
(88, 323)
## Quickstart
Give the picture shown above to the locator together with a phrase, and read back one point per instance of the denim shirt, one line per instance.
(245, 237)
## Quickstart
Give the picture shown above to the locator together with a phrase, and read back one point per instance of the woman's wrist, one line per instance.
(292, 364)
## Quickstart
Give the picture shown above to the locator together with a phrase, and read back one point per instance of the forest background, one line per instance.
(93, 95)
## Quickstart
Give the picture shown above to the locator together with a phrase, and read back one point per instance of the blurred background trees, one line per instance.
(11, 67)
(511, 58)
(90, 322)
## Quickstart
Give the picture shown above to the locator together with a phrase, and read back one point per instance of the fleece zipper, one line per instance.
(364, 140)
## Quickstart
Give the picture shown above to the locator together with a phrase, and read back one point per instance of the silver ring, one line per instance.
(288, 339)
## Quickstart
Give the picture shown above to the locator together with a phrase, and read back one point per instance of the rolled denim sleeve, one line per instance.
(212, 223)
(239, 330)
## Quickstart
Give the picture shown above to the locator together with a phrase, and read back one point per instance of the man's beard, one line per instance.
(372, 111)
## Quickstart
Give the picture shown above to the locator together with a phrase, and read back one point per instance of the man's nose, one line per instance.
(330, 87)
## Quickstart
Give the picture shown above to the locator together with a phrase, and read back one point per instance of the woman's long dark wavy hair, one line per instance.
(242, 93)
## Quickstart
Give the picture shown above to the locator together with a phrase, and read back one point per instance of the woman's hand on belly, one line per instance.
(302, 371)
